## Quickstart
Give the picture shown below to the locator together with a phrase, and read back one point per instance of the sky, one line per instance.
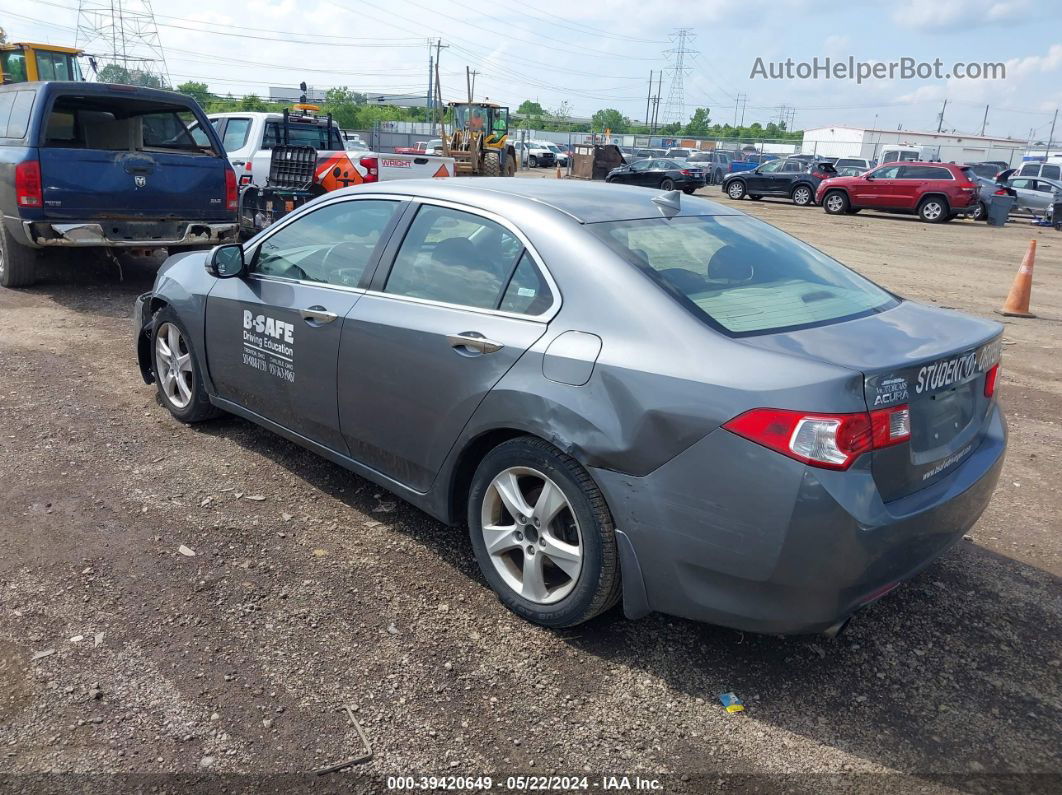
(594, 55)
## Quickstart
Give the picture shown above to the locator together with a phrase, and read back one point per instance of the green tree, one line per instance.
(670, 129)
(198, 91)
(610, 119)
(253, 102)
(698, 124)
(529, 108)
(115, 73)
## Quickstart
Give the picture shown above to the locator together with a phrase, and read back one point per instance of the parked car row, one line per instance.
(794, 177)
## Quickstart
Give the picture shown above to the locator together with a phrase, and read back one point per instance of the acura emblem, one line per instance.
(140, 181)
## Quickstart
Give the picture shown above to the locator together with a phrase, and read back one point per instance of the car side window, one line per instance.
(889, 172)
(236, 134)
(527, 292)
(455, 257)
(1024, 184)
(770, 166)
(332, 245)
(1044, 187)
(793, 165)
(640, 165)
(1049, 172)
(1029, 170)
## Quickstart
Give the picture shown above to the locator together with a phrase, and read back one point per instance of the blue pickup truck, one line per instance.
(107, 166)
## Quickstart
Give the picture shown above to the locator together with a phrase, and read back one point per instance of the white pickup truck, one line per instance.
(249, 137)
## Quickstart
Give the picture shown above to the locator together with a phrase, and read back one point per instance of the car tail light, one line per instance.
(820, 174)
(232, 195)
(990, 381)
(372, 168)
(686, 172)
(830, 441)
(28, 189)
(1001, 192)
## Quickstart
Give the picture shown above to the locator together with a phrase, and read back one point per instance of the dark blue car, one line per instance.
(107, 166)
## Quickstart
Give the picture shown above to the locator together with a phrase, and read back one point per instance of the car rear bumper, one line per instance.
(129, 234)
(731, 533)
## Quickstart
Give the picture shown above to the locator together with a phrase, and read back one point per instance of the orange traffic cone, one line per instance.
(1017, 303)
(558, 171)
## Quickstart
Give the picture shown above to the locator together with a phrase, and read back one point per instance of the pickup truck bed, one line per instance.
(100, 165)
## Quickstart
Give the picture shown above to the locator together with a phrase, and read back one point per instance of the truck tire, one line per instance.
(18, 263)
(532, 162)
(510, 164)
(491, 164)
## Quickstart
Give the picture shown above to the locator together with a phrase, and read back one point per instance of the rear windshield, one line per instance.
(741, 275)
(302, 134)
(120, 123)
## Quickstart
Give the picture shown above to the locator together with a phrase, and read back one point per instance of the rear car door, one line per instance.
(463, 300)
(783, 179)
(914, 182)
(273, 337)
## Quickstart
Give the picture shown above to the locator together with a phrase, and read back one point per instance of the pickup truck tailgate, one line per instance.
(86, 183)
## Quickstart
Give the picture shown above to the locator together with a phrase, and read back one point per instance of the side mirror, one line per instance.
(868, 177)
(226, 262)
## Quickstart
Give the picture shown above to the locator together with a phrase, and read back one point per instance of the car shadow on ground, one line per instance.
(955, 672)
(89, 282)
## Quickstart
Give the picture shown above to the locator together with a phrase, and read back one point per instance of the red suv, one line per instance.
(935, 191)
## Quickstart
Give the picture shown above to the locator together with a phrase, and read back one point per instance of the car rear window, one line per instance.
(302, 134)
(1051, 172)
(741, 275)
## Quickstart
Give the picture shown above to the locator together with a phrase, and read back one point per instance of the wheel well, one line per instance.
(143, 343)
(941, 196)
(468, 461)
(803, 185)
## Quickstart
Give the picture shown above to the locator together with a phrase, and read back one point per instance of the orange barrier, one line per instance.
(1017, 303)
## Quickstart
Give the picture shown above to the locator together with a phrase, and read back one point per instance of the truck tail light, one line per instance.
(29, 192)
(232, 196)
(990, 381)
(829, 441)
(372, 168)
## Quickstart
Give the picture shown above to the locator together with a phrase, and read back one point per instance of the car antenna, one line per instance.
(669, 201)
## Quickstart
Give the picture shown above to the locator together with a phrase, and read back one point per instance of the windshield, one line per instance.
(741, 275)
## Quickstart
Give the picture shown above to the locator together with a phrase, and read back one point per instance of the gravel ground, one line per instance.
(310, 589)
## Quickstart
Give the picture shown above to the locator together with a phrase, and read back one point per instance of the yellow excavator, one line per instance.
(23, 61)
(480, 144)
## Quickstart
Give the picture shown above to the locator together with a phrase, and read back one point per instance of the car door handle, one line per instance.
(317, 315)
(473, 340)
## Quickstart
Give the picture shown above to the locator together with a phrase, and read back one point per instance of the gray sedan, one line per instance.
(627, 395)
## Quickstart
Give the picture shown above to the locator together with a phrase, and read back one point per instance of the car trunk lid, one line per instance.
(932, 360)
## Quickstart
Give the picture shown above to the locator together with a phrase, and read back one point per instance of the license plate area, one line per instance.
(936, 420)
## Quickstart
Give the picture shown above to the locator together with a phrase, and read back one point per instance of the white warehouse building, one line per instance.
(840, 141)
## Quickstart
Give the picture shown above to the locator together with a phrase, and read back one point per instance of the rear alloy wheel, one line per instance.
(542, 534)
(835, 203)
(532, 162)
(667, 184)
(736, 190)
(933, 210)
(980, 212)
(802, 196)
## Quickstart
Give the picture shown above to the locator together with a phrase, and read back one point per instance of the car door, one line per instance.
(759, 179)
(272, 337)
(463, 300)
(783, 179)
(639, 173)
(878, 188)
(1025, 193)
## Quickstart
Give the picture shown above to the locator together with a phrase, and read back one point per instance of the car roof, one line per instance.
(584, 201)
(84, 88)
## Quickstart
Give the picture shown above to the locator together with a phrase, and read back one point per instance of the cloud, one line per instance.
(952, 15)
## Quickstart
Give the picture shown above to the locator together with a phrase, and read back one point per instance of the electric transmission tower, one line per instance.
(122, 32)
(675, 107)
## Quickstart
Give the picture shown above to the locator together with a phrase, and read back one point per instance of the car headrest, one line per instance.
(456, 251)
(729, 264)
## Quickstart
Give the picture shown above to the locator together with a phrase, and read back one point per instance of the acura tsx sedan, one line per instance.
(627, 395)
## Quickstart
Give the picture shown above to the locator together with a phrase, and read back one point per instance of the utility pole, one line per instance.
(940, 121)
(438, 58)
(473, 92)
(430, 95)
(656, 102)
(744, 104)
(984, 122)
(1051, 135)
(468, 84)
(649, 98)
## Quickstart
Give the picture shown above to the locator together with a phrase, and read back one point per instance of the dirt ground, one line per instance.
(311, 589)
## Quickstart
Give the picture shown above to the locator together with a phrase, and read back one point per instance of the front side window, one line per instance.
(886, 172)
(455, 257)
(741, 275)
(1051, 172)
(236, 132)
(770, 167)
(333, 245)
(1022, 183)
(641, 165)
(14, 65)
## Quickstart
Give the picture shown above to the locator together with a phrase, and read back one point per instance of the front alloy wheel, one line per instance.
(736, 189)
(532, 535)
(173, 366)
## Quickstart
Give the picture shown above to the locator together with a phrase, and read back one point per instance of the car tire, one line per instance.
(532, 162)
(18, 263)
(735, 189)
(802, 196)
(835, 202)
(667, 184)
(581, 534)
(933, 210)
(980, 212)
(183, 394)
(688, 191)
